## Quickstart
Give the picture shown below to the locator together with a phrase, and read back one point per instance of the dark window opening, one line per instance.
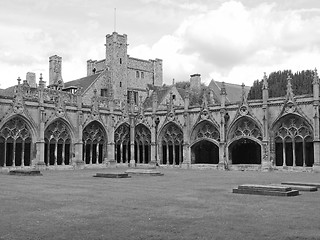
(120, 84)
(104, 92)
(120, 60)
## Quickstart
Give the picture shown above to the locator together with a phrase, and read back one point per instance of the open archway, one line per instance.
(245, 151)
(204, 152)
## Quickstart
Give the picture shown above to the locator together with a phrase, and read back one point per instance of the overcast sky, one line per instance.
(231, 41)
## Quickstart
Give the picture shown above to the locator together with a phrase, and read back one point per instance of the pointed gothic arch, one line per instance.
(122, 143)
(245, 141)
(292, 136)
(142, 144)
(16, 138)
(94, 138)
(205, 139)
(58, 143)
(171, 144)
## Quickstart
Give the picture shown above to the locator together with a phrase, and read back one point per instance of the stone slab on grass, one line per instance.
(317, 185)
(25, 172)
(112, 175)
(269, 190)
(301, 188)
(147, 172)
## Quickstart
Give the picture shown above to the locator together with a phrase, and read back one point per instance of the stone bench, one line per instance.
(270, 190)
(301, 187)
(25, 172)
(112, 175)
(317, 185)
(150, 172)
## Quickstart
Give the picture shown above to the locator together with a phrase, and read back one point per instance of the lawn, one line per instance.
(182, 204)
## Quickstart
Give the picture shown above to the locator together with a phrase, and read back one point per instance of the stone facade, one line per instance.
(42, 127)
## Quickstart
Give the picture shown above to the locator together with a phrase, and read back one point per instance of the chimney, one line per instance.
(195, 81)
(31, 79)
(55, 69)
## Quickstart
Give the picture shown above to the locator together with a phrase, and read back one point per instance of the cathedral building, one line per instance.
(121, 114)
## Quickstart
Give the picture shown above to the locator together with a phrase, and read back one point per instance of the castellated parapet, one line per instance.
(55, 64)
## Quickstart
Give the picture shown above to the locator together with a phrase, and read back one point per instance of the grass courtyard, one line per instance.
(182, 204)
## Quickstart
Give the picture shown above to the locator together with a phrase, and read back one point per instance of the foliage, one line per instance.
(277, 83)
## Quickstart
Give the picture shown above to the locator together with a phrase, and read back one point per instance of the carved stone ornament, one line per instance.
(18, 103)
(289, 107)
(243, 110)
(171, 116)
(204, 114)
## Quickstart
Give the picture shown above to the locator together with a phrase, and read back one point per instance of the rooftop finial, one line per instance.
(172, 81)
(223, 89)
(289, 87)
(265, 81)
(19, 80)
(315, 77)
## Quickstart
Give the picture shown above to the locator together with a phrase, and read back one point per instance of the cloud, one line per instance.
(230, 41)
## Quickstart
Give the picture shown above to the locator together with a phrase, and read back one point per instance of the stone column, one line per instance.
(186, 133)
(265, 163)
(132, 135)
(41, 118)
(316, 139)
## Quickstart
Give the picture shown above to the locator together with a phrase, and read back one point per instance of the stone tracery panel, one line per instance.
(245, 127)
(206, 130)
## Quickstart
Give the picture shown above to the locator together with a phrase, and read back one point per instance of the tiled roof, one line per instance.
(234, 91)
(84, 83)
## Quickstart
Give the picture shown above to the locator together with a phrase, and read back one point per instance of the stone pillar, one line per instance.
(186, 133)
(316, 140)
(41, 118)
(132, 135)
(224, 118)
(265, 163)
(78, 146)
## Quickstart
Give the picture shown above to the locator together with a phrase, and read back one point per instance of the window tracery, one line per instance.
(246, 128)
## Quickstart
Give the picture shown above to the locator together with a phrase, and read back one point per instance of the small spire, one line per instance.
(19, 80)
(315, 77)
(41, 77)
(243, 93)
(172, 81)
(265, 81)
(289, 87)
(223, 89)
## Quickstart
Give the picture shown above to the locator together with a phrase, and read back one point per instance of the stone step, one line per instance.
(112, 175)
(257, 187)
(317, 185)
(301, 188)
(150, 172)
(267, 193)
(25, 172)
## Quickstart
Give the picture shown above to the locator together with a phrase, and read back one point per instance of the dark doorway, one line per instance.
(205, 152)
(245, 151)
